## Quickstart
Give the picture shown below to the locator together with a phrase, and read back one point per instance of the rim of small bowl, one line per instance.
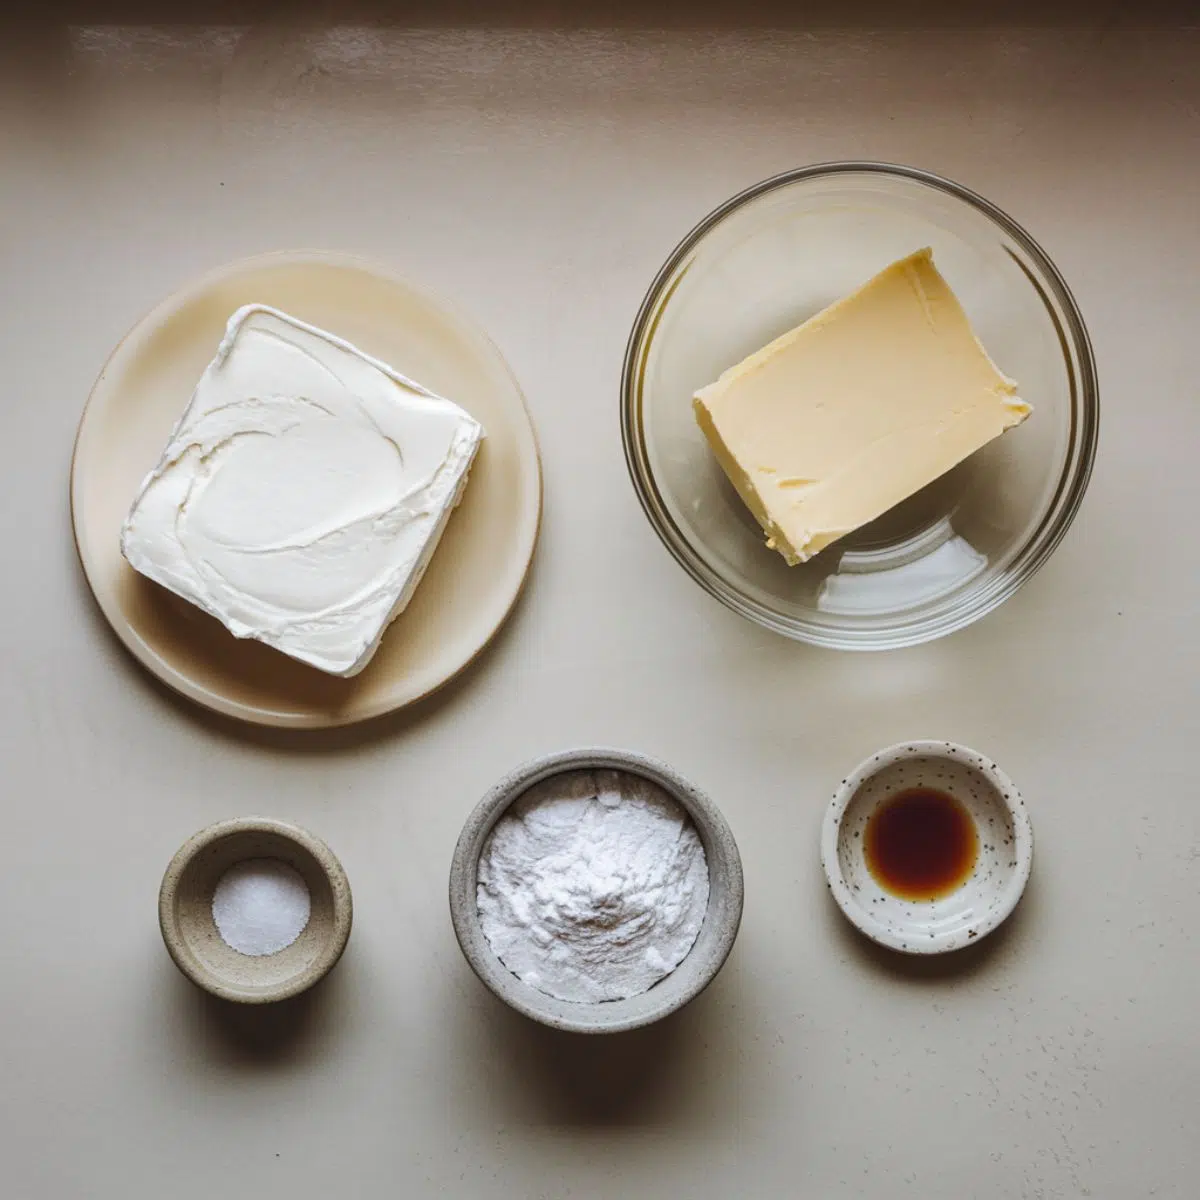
(613, 1016)
(343, 910)
(1013, 802)
(1038, 546)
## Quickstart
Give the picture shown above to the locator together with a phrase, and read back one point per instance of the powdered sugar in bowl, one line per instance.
(596, 891)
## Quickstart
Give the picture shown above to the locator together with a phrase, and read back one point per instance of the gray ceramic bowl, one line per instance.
(687, 981)
(186, 919)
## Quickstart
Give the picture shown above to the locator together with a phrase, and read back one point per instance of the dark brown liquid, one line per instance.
(920, 844)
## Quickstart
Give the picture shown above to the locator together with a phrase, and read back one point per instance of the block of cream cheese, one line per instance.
(841, 418)
(303, 492)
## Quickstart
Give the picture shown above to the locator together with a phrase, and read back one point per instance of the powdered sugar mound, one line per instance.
(593, 886)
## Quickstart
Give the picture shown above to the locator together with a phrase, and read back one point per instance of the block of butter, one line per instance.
(841, 418)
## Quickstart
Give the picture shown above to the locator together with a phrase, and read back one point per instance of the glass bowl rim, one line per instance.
(1078, 357)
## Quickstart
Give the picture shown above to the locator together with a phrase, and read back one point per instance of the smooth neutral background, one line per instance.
(536, 167)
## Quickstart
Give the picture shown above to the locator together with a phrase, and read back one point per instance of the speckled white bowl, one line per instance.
(988, 894)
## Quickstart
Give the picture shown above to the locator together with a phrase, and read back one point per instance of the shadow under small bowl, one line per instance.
(1003, 861)
(774, 256)
(186, 918)
(694, 973)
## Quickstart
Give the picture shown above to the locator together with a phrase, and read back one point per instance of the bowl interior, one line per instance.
(202, 953)
(985, 897)
(694, 973)
(768, 262)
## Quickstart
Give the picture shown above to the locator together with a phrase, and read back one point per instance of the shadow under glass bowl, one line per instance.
(777, 254)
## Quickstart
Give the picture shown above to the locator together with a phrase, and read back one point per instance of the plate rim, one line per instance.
(164, 672)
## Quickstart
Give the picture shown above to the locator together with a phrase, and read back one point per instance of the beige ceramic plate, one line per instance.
(474, 577)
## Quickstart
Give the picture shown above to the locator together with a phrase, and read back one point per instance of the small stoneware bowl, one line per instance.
(693, 974)
(1004, 837)
(185, 912)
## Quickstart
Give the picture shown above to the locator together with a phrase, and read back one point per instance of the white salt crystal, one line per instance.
(260, 906)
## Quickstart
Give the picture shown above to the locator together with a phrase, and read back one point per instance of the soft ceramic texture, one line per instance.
(687, 981)
(474, 577)
(768, 260)
(191, 936)
(1002, 865)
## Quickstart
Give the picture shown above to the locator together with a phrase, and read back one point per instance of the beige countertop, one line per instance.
(537, 174)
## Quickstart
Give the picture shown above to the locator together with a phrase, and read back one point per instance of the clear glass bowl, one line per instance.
(773, 256)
